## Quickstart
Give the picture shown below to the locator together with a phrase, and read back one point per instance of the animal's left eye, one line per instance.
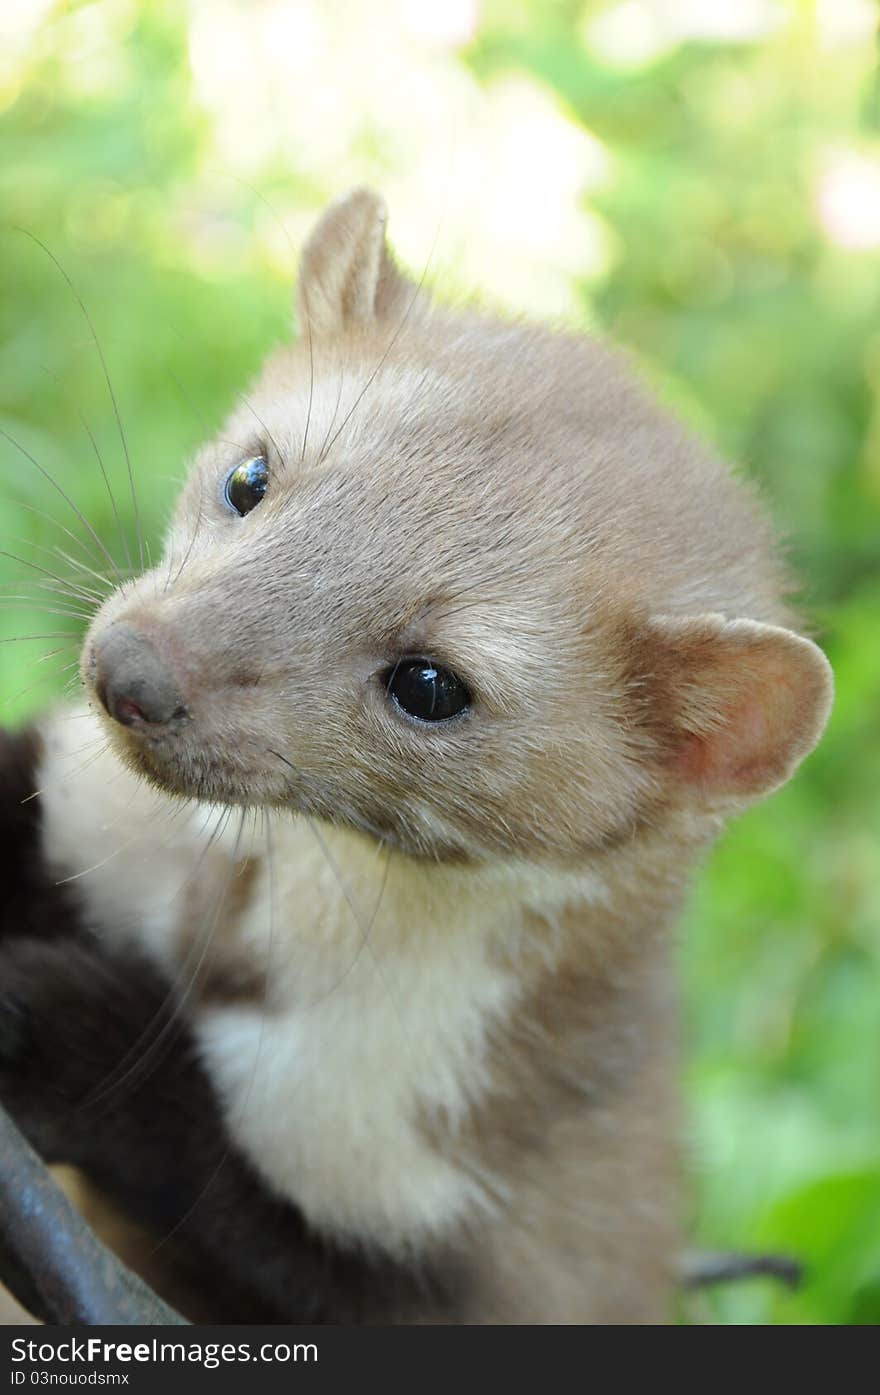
(246, 484)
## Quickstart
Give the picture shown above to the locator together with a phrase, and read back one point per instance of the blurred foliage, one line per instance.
(716, 207)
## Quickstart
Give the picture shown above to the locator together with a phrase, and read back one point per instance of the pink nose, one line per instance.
(132, 680)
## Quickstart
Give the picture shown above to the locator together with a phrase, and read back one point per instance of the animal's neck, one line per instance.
(320, 899)
(403, 1014)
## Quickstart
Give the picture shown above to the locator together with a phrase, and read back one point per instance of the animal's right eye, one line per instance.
(424, 690)
(246, 485)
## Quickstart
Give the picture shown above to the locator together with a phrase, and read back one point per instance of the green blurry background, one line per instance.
(698, 178)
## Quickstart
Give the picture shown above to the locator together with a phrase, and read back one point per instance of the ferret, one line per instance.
(460, 653)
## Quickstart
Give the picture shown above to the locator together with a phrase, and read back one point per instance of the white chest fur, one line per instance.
(372, 1034)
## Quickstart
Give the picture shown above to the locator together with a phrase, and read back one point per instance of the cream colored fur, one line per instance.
(465, 1036)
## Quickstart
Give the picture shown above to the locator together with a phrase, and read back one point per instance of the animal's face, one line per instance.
(414, 587)
(379, 636)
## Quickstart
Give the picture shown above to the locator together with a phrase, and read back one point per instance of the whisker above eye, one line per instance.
(254, 413)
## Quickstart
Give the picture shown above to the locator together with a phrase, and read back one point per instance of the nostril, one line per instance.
(128, 712)
(133, 681)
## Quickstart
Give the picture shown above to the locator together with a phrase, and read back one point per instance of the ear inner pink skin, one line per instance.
(749, 700)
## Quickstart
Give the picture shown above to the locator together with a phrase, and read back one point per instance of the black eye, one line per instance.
(246, 484)
(423, 689)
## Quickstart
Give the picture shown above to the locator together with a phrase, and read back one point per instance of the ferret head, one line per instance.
(458, 584)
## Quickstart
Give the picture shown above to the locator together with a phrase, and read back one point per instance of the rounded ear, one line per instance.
(742, 704)
(347, 278)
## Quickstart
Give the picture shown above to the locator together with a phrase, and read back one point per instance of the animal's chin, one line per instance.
(180, 766)
(241, 775)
